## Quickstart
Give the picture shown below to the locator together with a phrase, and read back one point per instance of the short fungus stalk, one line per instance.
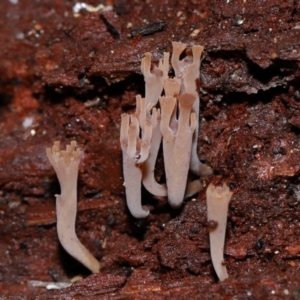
(154, 79)
(217, 198)
(66, 165)
(135, 151)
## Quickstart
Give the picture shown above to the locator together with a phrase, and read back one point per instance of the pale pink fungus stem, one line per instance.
(217, 198)
(135, 151)
(188, 71)
(177, 144)
(154, 80)
(66, 165)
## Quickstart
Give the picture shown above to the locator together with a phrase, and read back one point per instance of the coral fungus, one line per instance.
(176, 125)
(135, 152)
(177, 143)
(217, 198)
(66, 165)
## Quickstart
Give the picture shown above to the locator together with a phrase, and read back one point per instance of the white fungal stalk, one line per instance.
(135, 152)
(154, 80)
(148, 166)
(66, 165)
(188, 71)
(177, 143)
(217, 198)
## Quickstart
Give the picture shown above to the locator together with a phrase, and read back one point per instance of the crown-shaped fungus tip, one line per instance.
(172, 87)
(186, 100)
(197, 51)
(64, 161)
(146, 64)
(167, 104)
(178, 47)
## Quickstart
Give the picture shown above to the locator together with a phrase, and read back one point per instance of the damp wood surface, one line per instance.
(66, 77)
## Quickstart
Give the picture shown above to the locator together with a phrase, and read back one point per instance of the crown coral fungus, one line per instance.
(66, 165)
(217, 198)
(176, 125)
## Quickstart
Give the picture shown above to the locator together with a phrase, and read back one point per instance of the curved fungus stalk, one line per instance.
(66, 165)
(148, 166)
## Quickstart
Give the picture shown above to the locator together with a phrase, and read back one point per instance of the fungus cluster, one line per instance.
(168, 115)
(174, 123)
